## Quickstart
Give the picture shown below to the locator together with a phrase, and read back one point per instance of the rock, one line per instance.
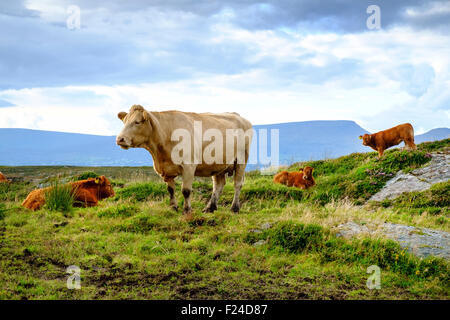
(266, 226)
(437, 170)
(422, 242)
(350, 229)
(259, 243)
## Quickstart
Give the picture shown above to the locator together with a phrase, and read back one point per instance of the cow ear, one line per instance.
(97, 180)
(121, 115)
(360, 137)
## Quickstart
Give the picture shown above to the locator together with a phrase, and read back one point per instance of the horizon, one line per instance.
(269, 61)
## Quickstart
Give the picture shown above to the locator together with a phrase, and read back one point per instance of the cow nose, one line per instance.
(120, 140)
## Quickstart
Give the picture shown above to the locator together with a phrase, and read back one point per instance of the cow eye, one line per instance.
(137, 122)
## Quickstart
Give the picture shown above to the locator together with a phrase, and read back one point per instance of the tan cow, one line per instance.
(382, 140)
(160, 134)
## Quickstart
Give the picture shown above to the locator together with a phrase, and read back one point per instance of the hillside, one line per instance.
(284, 244)
(299, 141)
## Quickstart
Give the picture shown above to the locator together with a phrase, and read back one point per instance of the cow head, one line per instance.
(367, 139)
(137, 128)
(101, 184)
(307, 173)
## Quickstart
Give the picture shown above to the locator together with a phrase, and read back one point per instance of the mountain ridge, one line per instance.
(298, 141)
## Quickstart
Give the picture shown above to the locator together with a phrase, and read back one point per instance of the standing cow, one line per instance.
(158, 133)
(382, 140)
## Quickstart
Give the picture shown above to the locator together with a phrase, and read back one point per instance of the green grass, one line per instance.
(358, 176)
(87, 175)
(59, 197)
(387, 254)
(134, 246)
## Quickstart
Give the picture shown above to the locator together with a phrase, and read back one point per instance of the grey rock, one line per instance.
(351, 229)
(259, 243)
(266, 226)
(437, 170)
(422, 242)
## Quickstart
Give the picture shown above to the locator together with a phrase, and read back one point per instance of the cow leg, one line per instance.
(84, 198)
(218, 184)
(186, 188)
(171, 190)
(238, 182)
(380, 153)
(410, 145)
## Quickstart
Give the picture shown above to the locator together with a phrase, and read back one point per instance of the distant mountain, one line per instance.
(312, 140)
(299, 141)
(433, 135)
(20, 147)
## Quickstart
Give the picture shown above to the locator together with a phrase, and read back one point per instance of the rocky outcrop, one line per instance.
(437, 170)
(422, 242)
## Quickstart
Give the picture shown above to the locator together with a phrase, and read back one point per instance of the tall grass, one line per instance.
(60, 197)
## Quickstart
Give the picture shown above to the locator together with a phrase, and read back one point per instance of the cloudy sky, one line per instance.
(272, 61)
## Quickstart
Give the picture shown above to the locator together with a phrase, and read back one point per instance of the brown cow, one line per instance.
(87, 193)
(302, 179)
(383, 140)
(3, 178)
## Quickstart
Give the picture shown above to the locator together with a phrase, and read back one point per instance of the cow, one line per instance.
(385, 139)
(86, 193)
(157, 133)
(302, 179)
(3, 178)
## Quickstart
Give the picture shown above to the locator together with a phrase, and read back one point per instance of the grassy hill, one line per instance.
(133, 246)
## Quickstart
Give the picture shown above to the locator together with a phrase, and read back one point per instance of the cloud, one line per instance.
(5, 104)
(274, 61)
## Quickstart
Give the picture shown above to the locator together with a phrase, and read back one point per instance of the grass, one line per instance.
(134, 246)
(60, 197)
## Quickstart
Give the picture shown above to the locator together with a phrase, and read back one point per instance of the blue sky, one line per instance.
(271, 61)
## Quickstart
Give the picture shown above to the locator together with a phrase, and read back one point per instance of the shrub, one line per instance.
(59, 197)
(87, 175)
(296, 237)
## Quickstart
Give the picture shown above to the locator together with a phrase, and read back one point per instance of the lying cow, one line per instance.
(3, 178)
(302, 179)
(383, 140)
(86, 193)
(157, 133)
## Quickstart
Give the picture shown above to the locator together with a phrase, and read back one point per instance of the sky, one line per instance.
(273, 61)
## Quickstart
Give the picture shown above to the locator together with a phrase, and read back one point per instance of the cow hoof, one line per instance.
(175, 208)
(235, 208)
(210, 208)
